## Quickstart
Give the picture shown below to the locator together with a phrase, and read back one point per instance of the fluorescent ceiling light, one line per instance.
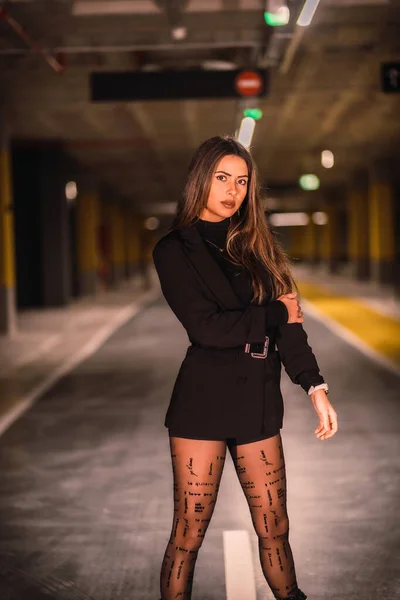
(71, 190)
(327, 159)
(218, 65)
(306, 15)
(246, 131)
(152, 223)
(289, 219)
(179, 33)
(320, 218)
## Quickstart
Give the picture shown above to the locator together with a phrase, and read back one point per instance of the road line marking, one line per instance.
(239, 570)
(377, 331)
(98, 339)
(349, 336)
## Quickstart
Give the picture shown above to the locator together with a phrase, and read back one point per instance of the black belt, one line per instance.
(260, 349)
(255, 349)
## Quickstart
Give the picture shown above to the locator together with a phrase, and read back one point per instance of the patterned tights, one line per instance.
(197, 468)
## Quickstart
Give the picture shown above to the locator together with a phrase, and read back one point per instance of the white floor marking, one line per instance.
(87, 350)
(239, 570)
(349, 337)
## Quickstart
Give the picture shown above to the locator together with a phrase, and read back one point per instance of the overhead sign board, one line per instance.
(125, 86)
(390, 77)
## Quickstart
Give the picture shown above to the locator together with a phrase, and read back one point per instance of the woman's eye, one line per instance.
(221, 177)
(243, 181)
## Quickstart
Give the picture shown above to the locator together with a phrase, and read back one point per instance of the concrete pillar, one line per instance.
(56, 228)
(331, 239)
(358, 239)
(87, 223)
(381, 225)
(7, 244)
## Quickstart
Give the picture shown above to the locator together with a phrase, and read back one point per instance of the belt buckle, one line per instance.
(264, 354)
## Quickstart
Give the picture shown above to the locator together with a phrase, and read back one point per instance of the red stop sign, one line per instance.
(248, 83)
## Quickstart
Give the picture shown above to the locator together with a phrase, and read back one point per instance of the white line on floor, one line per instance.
(349, 337)
(239, 571)
(87, 350)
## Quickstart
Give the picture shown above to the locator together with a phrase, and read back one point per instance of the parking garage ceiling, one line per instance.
(324, 86)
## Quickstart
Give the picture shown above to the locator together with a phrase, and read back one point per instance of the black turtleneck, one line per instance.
(216, 232)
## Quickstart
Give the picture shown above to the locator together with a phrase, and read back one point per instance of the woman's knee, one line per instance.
(189, 531)
(271, 525)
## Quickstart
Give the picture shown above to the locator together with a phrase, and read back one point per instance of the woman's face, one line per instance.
(228, 189)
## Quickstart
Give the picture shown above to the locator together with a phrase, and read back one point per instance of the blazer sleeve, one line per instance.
(297, 355)
(203, 319)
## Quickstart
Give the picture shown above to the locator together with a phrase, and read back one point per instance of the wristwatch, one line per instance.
(321, 386)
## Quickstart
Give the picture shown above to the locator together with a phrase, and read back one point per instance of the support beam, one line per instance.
(7, 244)
(358, 239)
(87, 221)
(382, 225)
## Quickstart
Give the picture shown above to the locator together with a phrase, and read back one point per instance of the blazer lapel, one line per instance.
(208, 269)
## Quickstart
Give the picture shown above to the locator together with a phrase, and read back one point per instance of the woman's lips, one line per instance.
(228, 204)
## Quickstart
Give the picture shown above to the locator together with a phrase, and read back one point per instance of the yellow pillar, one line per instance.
(7, 246)
(382, 230)
(121, 256)
(88, 220)
(115, 222)
(358, 230)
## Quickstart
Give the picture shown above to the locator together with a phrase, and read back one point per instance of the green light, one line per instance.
(254, 113)
(277, 19)
(309, 182)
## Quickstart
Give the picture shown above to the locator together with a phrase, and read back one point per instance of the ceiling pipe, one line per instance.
(143, 47)
(291, 50)
(53, 62)
(275, 49)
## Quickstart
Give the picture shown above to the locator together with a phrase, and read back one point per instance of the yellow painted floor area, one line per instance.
(380, 332)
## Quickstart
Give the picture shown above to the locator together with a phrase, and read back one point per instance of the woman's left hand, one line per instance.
(328, 424)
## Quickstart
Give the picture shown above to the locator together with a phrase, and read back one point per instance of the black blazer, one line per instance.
(220, 390)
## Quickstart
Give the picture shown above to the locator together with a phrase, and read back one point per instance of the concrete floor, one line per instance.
(86, 480)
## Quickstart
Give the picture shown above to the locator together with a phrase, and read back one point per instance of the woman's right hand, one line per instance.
(293, 307)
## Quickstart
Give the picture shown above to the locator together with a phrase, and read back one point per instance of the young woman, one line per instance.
(229, 284)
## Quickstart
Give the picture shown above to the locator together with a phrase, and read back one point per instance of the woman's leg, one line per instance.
(260, 467)
(197, 467)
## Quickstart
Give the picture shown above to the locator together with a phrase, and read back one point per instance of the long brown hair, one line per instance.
(249, 239)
